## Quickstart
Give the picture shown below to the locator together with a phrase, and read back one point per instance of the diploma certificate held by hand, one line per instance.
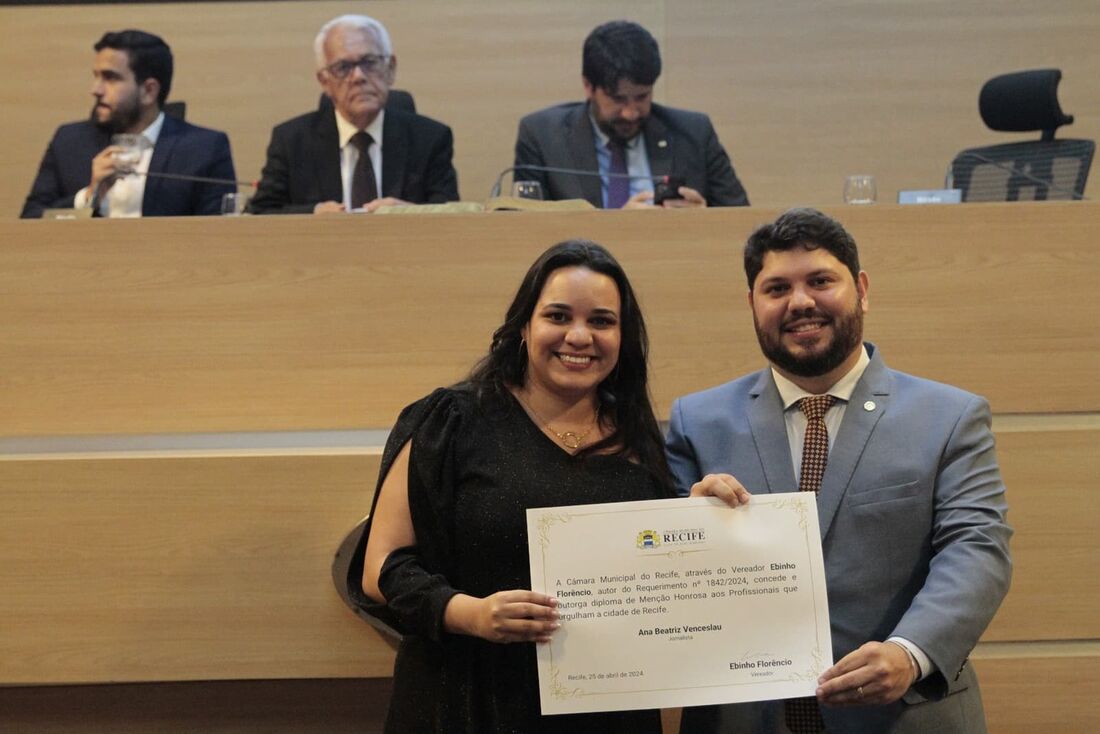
(680, 602)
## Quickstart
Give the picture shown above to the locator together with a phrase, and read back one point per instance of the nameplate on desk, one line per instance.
(930, 196)
(83, 213)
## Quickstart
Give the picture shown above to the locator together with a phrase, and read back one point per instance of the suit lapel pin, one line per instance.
(662, 143)
(869, 405)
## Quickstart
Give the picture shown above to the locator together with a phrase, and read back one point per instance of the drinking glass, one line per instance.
(233, 204)
(129, 153)
(527, 190)
(859, 189)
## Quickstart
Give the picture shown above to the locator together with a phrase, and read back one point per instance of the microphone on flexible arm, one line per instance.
(196, 179)
(495, 191)
(1016, 172)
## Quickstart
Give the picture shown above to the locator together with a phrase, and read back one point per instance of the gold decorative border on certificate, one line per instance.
(799, 508)
(548, 520)
(559, 691)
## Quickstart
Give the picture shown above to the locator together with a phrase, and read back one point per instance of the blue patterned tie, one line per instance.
(618, 187)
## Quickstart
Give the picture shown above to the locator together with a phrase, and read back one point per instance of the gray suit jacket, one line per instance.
(678, 143)
(912, 514)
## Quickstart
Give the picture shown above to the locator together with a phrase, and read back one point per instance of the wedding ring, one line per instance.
(859, 691)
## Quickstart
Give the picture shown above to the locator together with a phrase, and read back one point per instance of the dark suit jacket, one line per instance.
(303, 162)
(181, 148)
(913, 531)
(678, 143)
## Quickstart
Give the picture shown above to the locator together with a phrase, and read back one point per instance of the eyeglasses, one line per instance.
(369, 64)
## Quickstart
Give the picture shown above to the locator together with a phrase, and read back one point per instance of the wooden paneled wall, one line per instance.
(293, 323)
(802, 93)
(208, 570)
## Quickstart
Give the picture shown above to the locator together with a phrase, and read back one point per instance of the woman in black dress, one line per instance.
(557, 413)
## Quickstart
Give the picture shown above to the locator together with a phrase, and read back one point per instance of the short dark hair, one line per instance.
(149, 57)
(620, 50)
(625, 405)
(806, 228)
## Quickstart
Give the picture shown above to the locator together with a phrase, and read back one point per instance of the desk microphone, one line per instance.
(1016, 173)
(495, 191)
(196, 179)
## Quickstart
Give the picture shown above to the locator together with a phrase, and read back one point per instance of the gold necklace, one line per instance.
(569, 439)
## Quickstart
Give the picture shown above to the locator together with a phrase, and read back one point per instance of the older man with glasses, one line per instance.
(355, 154)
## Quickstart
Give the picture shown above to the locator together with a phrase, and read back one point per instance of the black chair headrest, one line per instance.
(1023, 101)
(398, 99)
(176, 109)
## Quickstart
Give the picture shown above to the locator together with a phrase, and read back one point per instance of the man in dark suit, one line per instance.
(361, 155)
(911, 504)
(621, 134)
(132, 74)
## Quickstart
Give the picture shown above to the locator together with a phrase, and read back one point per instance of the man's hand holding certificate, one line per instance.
(680, 602)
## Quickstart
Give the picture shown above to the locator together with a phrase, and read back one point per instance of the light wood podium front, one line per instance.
(196, 580)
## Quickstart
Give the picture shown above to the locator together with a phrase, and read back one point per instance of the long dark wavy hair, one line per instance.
(625, 407)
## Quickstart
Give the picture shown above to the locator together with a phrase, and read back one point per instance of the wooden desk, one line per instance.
(286, 323)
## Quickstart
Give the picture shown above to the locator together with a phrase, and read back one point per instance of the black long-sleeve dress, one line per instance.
(473, 474)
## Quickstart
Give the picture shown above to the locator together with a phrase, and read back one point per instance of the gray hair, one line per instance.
(364, 23)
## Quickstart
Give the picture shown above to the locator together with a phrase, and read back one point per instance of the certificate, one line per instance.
(680, 602)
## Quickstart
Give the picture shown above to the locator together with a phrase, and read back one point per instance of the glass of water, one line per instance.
(859, 189)
(130, 148)
(527, 190)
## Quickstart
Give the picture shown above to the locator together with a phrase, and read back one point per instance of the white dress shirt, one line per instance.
(123, 200)
(637, 162)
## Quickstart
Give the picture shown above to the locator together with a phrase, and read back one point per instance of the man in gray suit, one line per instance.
(911, 503)
(621, 139)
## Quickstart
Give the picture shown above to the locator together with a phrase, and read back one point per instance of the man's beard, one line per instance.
(610, 130)
(847, 335)
(121, 119)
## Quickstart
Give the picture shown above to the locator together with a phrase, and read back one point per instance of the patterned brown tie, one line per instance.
(815, 447)
(802, 715)
(363, 186)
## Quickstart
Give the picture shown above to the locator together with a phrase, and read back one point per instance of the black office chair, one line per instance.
(398, 99)
(347, 573)
(1034, 170)
(177, 109)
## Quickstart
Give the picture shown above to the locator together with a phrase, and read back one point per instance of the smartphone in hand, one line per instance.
(668, 187)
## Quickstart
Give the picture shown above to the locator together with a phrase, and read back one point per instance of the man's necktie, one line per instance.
(363, 186)
(815, 447)
(618, 187)
(802, 715)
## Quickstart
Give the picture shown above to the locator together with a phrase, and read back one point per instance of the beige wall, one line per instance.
(801, 92)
